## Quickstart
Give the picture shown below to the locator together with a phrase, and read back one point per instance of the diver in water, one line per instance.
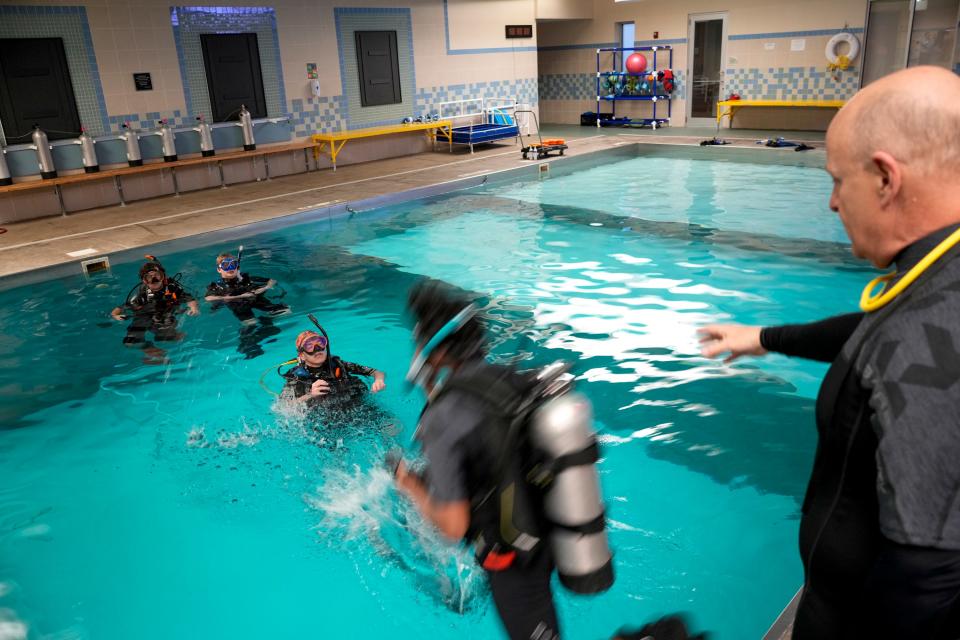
(241, 293)
(321, 379)
(154, 304)
(481, 483)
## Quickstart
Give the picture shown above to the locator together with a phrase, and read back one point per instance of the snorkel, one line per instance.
(420, 373)
(313, 319)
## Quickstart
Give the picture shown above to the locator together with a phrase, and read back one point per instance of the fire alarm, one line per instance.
(656, 34)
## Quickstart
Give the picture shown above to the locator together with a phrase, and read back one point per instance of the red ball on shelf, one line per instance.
(636, 63)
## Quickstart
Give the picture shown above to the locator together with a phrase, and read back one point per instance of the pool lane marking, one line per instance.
(263, 199)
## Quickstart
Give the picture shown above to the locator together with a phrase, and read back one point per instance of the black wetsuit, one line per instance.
(880, 530)
(243, 308)
(251, 334)
(346, 390)
(154, 312)
(455, 433)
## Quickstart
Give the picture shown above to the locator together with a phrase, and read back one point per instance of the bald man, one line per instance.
(880, 530)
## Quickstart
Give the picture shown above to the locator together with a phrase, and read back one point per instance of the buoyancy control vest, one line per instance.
(531, 475)
(345, 389)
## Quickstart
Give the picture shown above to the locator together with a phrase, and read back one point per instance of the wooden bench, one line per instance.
(734, 105)
(333, 143)
(118, 174)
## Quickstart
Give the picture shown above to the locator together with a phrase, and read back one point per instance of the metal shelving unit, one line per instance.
(654, 98)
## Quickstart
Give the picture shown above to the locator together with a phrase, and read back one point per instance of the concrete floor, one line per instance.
(34, 244)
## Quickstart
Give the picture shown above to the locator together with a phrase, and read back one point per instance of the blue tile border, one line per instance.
(679, 41)
(463, 52)
(401, 12)
(610, 45)
(94, 69)
(184, 20)
(792, 34)
(86, 58)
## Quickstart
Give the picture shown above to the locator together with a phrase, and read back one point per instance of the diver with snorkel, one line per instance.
(243, 293)
(321, 379)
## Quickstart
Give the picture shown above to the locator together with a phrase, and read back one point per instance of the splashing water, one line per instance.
(358, 505)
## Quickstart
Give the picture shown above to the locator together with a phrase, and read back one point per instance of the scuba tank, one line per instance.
(545, 484)
(246, 128)
(132, 141)
(206, 138)
(5, 177)
(561, 429)
(168, 141)
(88, 152)
(44, 158)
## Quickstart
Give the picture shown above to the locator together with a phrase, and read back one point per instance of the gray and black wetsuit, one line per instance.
(880, 530)
(460, 467)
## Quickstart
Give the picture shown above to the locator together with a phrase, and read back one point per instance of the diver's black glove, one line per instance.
(672, 627)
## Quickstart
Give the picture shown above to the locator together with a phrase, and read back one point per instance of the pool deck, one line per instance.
(36, 244)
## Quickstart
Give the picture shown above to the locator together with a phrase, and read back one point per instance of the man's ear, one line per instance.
(891, 176)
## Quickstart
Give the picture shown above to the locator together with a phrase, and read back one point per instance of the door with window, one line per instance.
(232, 62)
(706, 52)
(35, 89)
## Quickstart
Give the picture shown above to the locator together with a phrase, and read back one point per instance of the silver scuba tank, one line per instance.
(246, 126)
(44, 158)
(206, 138)
(562, 429)
(5, 177)
(88, 152)
(167, 141)
(132, 141)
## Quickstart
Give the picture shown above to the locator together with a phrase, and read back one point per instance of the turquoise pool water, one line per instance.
(179, 500)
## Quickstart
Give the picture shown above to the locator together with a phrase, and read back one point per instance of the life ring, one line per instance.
(842, 61)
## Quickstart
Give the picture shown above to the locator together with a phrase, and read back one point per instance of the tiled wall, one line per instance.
(523, 90)
(793, 83)
(766, 55)
(69, 23)
(189, 22)
(351, 20)
(450, 49)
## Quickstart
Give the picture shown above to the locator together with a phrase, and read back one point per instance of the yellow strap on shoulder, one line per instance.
(870, 302)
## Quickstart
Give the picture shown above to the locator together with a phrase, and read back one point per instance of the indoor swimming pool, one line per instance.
(178, 499)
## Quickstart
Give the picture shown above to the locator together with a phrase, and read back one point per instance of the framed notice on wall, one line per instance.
(519, 30)
(142, 81)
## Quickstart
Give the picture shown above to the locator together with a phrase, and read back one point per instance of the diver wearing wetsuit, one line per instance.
(320, 379)
(458, 432)
(880, 530)
(242, 294)
(154, 303)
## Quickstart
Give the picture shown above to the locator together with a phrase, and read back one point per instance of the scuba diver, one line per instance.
(154, 303)
(510, 464)
(321, 379)
(242, 293)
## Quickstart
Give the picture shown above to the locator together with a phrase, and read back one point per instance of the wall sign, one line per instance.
(312, 71)
(142, 81)
(519, 30)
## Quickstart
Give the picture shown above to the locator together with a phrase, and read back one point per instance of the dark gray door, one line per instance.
(379, 67)
(35, 89)
(234, 78)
